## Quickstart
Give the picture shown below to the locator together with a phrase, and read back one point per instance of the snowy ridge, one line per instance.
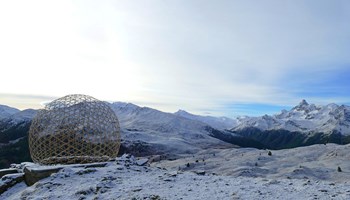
(165, 131)
(220, 123)
(14, 116)
(6, 111)
(22, 116)
(305, 118)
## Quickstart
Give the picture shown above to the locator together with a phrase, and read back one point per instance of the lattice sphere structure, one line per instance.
(74, 129)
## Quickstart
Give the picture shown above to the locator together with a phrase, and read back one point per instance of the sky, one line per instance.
(221, 58)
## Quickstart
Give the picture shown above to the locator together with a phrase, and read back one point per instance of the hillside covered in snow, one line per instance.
(302, 173)
(6, 111)
(148, 131)
(144, 131)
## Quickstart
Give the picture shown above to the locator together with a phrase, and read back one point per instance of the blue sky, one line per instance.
(207, 57)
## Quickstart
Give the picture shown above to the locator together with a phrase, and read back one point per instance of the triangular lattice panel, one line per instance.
(74, 129)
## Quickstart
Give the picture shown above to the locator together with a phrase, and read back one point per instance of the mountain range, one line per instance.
(304, 124)
(146, 131)
(304, 118)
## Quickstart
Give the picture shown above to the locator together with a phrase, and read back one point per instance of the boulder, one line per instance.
(33, 175)
(141, 162)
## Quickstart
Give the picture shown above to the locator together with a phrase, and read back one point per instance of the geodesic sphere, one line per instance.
(74, 129)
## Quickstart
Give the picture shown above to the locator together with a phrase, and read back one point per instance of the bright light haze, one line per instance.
(207, 57)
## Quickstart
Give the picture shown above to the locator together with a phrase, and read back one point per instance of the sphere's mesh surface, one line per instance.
(74, 129)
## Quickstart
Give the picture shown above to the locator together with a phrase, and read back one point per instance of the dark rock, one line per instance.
(86, 171)
(172, 174)
(137, 190)
(200, 172)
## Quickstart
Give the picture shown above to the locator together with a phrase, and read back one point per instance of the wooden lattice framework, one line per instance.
(74, 129)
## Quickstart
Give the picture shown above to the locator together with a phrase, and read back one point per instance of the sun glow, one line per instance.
(54, 52)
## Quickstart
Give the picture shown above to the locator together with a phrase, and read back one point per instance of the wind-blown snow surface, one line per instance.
(316, 162)
(305, 118)
(301, 173)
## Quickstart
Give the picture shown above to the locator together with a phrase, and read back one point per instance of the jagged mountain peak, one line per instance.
(303, 103)
(303, 106)
(304, 117)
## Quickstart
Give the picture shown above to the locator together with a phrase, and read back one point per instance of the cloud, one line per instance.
(194, 55)
(22, 101)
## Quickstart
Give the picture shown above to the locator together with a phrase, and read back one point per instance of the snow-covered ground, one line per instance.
(300, 173)
(316, 162)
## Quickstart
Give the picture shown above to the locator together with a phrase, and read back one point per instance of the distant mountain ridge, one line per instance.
(220, 123)
(163, 132)
(6, 111)
(147, 131)
(144, 131)
(304, 118)
(305, 124)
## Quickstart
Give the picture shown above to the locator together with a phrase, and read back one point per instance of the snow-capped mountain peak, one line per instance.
(180, 111)
(124, 106)
(304, 117)
(304, 107)
(215, 122)
(303, 103)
